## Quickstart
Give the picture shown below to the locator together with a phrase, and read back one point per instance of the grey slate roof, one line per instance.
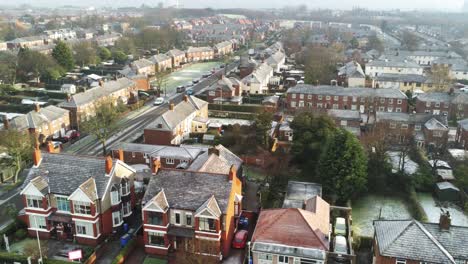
(220, 164)
(410, 239)
(434, 97)
(434, 124)
(182, 152)
(160, 58)
(35, 119)
(170, 119)
(342, 91)
(199, 49)
(393, 63)
(345, 114)
(65, 173)
(351, 69)
(142, 63)
(175, 53)
(259, 74)
(189, 190)
(393, 77)
(98, 92)
(223, 44)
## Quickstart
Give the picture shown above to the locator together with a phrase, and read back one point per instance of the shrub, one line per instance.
(6, 257)
(21, 234)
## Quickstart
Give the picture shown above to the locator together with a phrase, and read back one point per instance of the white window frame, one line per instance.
(393, 125)
(175, 218)
(30, 199)
(265, 256)
(77, 207)
(125, 183)
(127, 206)
(66, 200)
(115, 215)
(400, 261)
(170, 161)
(37, 222)
(87, 227)
(187, 216)
(115, 196)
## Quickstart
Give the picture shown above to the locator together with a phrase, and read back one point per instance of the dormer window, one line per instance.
(34, 201)
(115, 196)
(207, 224)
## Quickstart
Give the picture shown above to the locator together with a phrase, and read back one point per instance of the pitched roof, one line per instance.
(189, 190)
(426, 242)
(199, 49)
(160, 58)
(142, 63)
(65, 173)
(393, 63)
(170, 119)
(292, 227)
(297, 193)
(96, 93)
(352, 69)
(342, 91)
(434, 97)
(35, 119)
(175, 53)
(434, 124)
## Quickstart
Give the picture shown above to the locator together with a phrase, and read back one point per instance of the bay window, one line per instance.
(117, 218)
(84, 228)
(156, 239)
(207, 224)
(37, 222)
(155, 218)
(82, 207)
(34, 201)
(115, 196)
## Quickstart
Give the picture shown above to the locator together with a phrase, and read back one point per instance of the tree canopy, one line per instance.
(85, 53)
(342, 167)
(19, 145)
(63, 54)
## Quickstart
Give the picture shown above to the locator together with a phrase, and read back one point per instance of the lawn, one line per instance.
(18, 247)
(432, 209)
(368, 208)
(255, 174)
(150, 260)
(187, 74)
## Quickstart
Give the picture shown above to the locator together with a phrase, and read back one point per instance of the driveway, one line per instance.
(236, 257)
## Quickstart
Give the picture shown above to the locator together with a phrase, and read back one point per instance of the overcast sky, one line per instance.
(340, 4)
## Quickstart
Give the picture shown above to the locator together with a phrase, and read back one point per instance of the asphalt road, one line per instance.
(132, 129)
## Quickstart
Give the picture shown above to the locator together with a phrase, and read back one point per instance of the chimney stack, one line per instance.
(37, 154)
(101, 83)
(445, 221)
(6, 122)
(68, 97)
(171, 106)
(121, 155)
(108, 165)
(232, 173)
(37, 107)
(186, 98)
(156, 166)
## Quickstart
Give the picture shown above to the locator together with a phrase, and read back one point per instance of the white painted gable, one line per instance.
(79, 196)
(30, 189)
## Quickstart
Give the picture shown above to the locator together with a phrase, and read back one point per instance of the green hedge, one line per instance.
(237, 108)
(124, 252)
(12, 257)
(56, 261)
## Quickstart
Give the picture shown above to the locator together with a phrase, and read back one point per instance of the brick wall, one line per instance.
(156, 137)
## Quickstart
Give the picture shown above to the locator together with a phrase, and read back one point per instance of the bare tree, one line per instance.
(440, 77)
(161, 80)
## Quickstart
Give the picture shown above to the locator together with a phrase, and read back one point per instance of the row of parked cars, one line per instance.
(340, 241)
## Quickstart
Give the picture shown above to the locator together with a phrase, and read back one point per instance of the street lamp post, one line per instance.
(38, 240)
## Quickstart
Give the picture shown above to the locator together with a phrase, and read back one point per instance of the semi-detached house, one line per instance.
(195, 212)
(257, 81)
(80, 198)
(378, 67)
(81, 105)
(304, 97)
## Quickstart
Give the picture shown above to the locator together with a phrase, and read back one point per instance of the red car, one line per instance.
(71, 134)
(240, 239)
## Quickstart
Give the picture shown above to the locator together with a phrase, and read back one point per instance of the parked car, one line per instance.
(340, 226)
(57, 144)
(194, 81)
(206, 75)
(143, 94)
(240, 239)
(159, 101)
(189, 91)
(69, 135)
(340, 247)
(180, 89)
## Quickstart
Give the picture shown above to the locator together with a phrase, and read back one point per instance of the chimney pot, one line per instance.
(37, 154)
(156, 165)
(213, 150)
(108, 165)
(121, 155)
(37, 107)
(232, 173)
(186, 98)
(171, 106)
(445, 221)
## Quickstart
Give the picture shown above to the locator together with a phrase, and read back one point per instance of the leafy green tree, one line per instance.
(119, 57)
(103, 122)
(342, 167)
(126, 45)
(262, 126)
(8, 63)
(320, 64)
(85, 53)
(63, 54)
(19, 145)
(310, 136)
(461, 174)
(105, 53)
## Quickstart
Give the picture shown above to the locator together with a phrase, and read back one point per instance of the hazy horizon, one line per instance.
(446, 5)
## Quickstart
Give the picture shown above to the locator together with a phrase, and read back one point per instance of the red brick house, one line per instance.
(453, 105)
(293, 235)
(192, 212)
(225, 91)
(175, 125)
(462, 133)
(304, 97)
(348, 119)
(413, 242)
(80, 198)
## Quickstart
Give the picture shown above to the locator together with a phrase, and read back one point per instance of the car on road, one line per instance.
(221, 66)
(206, 75)
(189, 91)
(194, 81)
(240, 239)
(464, 89)
(159, 101)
